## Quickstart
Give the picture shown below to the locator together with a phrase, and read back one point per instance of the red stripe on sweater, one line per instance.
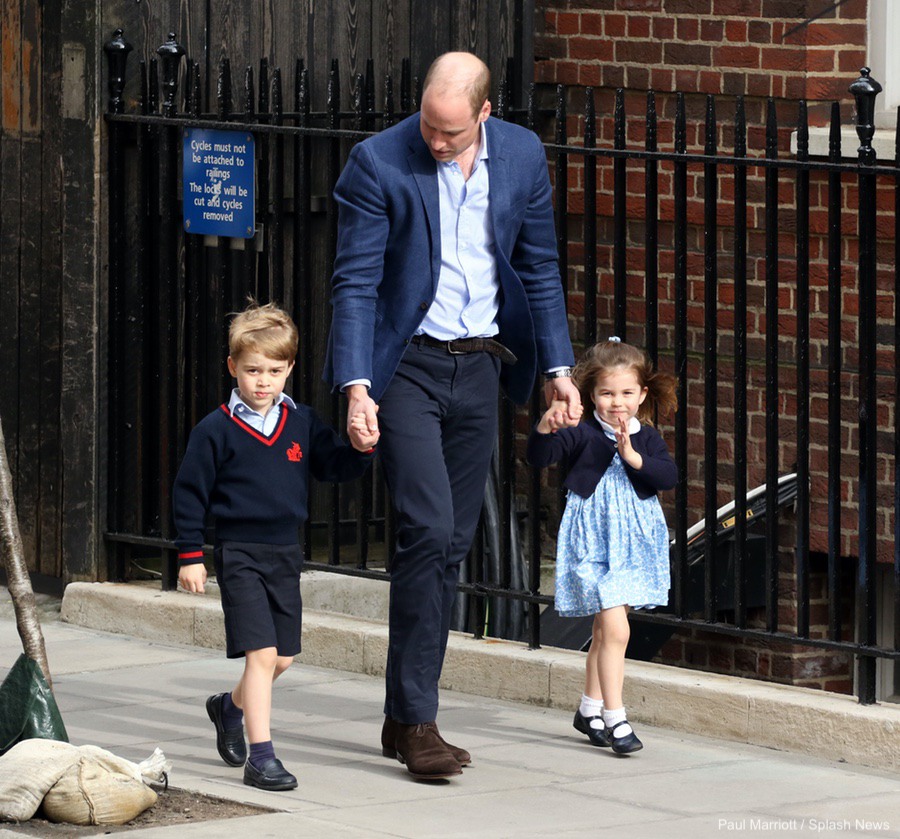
(269, 441)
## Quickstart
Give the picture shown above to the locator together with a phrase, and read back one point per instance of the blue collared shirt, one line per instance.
(466, 301)
(265, 425)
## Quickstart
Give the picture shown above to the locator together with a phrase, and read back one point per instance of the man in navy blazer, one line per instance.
(446, 266)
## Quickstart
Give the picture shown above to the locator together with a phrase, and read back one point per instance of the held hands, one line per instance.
(361, 438)
(623, 444)
(565, 395)
(192, 577)
(564, 403)
(362, 418)
(556, 417)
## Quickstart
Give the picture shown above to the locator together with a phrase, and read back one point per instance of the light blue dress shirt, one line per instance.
(466, 302)
(265, 425)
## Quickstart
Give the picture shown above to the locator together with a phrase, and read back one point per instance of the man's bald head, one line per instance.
(456, 74)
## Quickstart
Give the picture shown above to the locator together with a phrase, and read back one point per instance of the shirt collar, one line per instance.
(236, 404)
(634, 425)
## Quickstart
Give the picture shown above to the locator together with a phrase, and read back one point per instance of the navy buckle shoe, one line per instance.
(597, 736)
(229, 742)
(270, 776)
(627, 743)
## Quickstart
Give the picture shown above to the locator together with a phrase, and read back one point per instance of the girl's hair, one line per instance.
(264, 329)
(603, 358)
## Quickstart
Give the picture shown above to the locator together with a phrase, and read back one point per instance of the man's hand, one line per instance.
(192, 577)
(362, 414)
(562, 390)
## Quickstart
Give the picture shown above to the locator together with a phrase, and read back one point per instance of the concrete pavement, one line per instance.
(533, 775)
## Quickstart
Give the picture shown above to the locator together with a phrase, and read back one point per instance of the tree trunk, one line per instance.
(19, 583)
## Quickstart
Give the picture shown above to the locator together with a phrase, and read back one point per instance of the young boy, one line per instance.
(248, 464)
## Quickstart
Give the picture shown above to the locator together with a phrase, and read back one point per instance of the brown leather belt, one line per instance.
(466, 345)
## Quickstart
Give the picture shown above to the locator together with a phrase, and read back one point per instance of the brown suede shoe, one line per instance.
(423, 752)
(389, 737)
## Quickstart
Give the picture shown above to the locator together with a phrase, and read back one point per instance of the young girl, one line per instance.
(613, 546)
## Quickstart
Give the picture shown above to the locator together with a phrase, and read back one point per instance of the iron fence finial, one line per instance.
(116, 50)
(865, 90)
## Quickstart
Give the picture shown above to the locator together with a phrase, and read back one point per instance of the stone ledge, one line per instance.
(826, 725)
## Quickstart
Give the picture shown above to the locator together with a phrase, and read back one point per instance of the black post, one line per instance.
(802, 306)
(740, 363)
(620, 220)
(590, 220)
(651, 234)
(834, 377)
(333, 168)
(247, 278)
(679, 566)
(171, 296)
(771, 371)
(710, 357)
(865, 90)
(116, 50)
(276, 251)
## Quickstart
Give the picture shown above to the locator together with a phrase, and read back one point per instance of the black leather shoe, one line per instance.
(271, 775)
(229, 742)
(597, 736)
(625, 744)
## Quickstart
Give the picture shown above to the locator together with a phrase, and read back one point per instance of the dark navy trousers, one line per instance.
(438, 421)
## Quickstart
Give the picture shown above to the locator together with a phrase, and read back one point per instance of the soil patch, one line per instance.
(175, 806)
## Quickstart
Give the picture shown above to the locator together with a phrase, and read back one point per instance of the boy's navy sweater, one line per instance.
(256, 487)
(591, 451)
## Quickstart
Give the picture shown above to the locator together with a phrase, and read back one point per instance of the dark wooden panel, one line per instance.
(29, 486)
(430, 34)
(470, 29)
(290, 24)
(10, 221)
(49, 547)
(501, 43)
(390, 41)
(352, 42)
(318, 59)
(78, 408)
(30, 337)
(229, 29)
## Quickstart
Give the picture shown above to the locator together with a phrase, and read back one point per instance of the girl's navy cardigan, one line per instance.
(256, 487)
(590, 452)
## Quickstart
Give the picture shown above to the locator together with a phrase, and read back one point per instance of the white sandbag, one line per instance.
(27, 771)
(81, 783)
(99, 788)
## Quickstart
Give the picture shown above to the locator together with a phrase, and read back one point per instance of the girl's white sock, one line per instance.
(617, 717)
(591, 708)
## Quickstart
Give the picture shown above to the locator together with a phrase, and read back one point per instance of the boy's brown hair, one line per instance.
(266, 329)
(603, 358)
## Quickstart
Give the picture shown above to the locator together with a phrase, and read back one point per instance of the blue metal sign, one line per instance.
(218, 183)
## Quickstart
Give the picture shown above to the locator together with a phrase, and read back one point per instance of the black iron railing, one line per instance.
(704, 222)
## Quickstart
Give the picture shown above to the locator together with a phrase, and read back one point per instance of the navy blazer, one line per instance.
(389, 255)
(591, 451)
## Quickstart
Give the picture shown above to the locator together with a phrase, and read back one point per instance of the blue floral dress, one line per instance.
(612, 549)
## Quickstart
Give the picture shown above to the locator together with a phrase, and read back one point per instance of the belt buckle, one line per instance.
(453, 351)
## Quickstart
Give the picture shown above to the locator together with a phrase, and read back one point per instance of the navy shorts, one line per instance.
(260, 586)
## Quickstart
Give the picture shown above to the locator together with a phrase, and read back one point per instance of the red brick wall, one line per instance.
(749, 47)
(726, 48)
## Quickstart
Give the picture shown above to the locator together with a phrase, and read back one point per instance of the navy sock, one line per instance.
(232, 716)
(261, 752)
